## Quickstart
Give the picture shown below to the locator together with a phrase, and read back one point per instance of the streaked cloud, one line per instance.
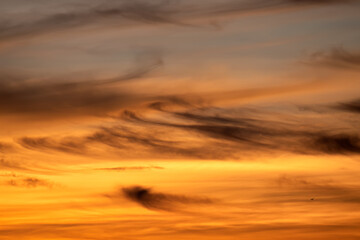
(118, 14)
(179, 119)
(203, 133)
(119, 169)
(351, 106)
(24, 95)
(337, 57)
(147, 198)
(303, 189)
(29, 182)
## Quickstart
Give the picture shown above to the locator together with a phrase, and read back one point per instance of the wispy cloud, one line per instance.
(29, 182)
(24, 95)
(149, 199)
(337, 144)
(119, 169)
(303, 189)
(6, 147)
(10, 165)
(337, 57)
(207, 133)
(45, 143)
(129, 13)
(352, 106)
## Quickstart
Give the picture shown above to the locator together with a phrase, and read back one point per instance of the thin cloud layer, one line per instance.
(338, 57)
(120, 169)
(29, 182)
(10, 165)
(206, 101)
(301, 189)
(207, 133)
(6, 147)
(127, 13)
(352, 106)
(24, 95)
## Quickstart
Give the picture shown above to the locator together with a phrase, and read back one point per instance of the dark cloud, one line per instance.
(336, 58)
(217, 127)
(149, 199)
(353, 106)
(127, 13)
(260, 134)
(337, 144)
(29, 182)
(157, 142)
(116, 13)
(45, 143)
(24, 95)
(206, 133)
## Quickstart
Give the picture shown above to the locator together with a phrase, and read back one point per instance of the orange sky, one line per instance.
(151, 119)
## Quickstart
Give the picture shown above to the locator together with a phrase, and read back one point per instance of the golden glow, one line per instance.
(184, 120)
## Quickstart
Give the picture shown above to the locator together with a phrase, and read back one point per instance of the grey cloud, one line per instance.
(26, 96)
(207, 133)
(336, 58)
(128, 13)
(261, 134)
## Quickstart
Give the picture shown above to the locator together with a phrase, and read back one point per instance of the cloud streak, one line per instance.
(120, 169)
(352, 106)
(157, 201)
(302, 189)
(29, 182)
(120, 14)
(26, 96)
(338, 58)
(206, 133)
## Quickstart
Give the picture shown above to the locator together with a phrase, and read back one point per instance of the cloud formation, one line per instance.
(352, 106)
(26, 96)
(302, 189)
(337, 144)
(118, 169)
(10, 165)
(206, 133)
(337, 57)
(149, 199)
(125, 13)
(6, 147)
(29, 182)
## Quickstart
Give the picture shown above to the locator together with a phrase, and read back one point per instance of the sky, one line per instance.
(179, 119)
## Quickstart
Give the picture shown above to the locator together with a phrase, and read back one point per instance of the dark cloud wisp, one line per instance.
(29, 182)
(127, 13)
(147, 198)
(24, 95)
(207, 133)
(338, 58)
